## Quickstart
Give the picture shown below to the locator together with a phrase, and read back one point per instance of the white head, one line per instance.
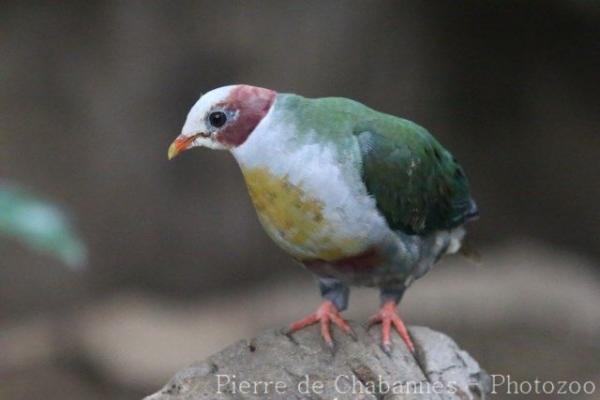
(223, 118)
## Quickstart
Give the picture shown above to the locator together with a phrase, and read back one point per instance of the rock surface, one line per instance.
(276, 366)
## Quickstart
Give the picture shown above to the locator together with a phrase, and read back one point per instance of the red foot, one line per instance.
(388, 315)
(325, 314)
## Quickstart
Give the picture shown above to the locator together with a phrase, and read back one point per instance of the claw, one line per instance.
(387, 348)
(326, 314)
(388, 317)
(353, 335)
(331, 347)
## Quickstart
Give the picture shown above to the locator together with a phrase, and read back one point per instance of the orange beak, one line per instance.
(180, 144)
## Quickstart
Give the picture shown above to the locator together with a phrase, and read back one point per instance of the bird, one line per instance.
(356, 196)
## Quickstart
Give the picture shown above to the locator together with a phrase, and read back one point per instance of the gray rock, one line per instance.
(280, 367)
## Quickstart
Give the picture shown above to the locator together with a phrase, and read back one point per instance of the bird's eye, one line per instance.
(217, 119)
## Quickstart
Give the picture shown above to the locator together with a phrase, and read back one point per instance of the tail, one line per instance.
(473, 211)
(470, 252)
(466, 247)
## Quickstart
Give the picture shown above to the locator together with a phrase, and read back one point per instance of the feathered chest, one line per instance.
(292, 217)
(310, 202)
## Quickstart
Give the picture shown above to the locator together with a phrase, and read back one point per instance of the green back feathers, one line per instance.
(417, 184)
(334, 116)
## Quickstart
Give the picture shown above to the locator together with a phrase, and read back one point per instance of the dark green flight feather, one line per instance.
(417, 184)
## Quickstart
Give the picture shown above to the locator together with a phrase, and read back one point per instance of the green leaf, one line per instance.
(40, 225)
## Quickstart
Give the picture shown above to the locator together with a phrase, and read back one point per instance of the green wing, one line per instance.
(417, 184)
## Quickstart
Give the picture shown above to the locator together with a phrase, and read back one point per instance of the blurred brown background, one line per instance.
(91, 95)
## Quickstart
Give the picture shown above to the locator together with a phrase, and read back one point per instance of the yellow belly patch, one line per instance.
(292, 218)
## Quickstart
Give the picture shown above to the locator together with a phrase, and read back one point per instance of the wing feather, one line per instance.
(417, 184)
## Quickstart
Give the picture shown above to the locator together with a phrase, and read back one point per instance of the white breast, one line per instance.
(350, 213)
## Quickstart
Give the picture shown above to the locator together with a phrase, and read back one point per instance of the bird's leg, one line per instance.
(335, 296)
(388, 317)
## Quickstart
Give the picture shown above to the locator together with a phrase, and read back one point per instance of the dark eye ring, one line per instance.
(217, 118)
